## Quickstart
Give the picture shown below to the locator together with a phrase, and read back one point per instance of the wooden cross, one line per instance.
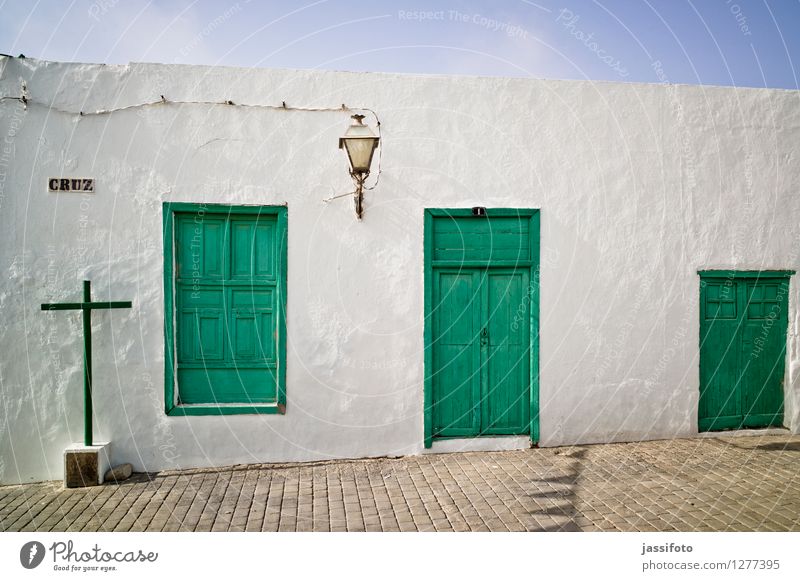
(87, 306)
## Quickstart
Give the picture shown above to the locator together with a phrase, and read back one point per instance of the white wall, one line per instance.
(639, 187)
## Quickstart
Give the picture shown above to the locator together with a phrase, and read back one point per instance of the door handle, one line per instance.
(485, 336)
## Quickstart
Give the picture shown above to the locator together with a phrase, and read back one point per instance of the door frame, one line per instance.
(533, 311)
(732, 275)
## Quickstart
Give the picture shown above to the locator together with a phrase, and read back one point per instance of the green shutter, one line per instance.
(229, 295)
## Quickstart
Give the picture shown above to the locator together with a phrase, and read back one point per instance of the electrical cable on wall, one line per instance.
(26, 101)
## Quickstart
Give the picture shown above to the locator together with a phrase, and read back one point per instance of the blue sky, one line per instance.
(752, 43)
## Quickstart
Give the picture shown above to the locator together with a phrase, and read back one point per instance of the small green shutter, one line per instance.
(743, 322)
(228, 298)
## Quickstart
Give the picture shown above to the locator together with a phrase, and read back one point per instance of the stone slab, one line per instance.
(119, 473)
(86, 465)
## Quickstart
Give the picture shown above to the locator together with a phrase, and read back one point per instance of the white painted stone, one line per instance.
(487, 444)
(119, 473)
(639, 186)
(101, 452)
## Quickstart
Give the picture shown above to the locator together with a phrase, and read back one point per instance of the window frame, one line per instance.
(171, 406)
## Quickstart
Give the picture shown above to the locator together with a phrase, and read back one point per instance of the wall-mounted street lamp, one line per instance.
(359, 142)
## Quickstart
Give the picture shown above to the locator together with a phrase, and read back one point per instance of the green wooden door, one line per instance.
(481, 352)
(226, 318)
(743, 321)
(480, 314)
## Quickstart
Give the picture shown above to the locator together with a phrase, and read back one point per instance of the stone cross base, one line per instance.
(86, 465)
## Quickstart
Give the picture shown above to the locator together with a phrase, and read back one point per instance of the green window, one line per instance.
(225, 291)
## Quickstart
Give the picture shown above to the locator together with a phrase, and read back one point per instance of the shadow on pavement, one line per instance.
(558, 494)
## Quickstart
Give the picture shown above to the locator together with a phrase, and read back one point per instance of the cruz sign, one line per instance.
(70, 185)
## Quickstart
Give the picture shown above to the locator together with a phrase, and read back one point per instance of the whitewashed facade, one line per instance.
(639, 186)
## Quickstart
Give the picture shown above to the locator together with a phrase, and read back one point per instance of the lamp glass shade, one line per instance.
(360, 144)
(360, 150)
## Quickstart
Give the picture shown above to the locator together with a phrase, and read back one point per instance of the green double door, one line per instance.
(482, 305)
(743, 321)
(482, 353)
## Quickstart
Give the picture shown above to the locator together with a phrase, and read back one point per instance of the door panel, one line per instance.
(456, 379)
(466, 239)
(764, 352)
(506, 403)
(719, 406)
(742, 353)
(227, 385)
(200, 252)
(244, 335)
(252, 249)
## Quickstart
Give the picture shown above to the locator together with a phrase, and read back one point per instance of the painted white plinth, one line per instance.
(95, 462)
(485, 444)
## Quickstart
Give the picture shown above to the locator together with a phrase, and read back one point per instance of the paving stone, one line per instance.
(724, 483)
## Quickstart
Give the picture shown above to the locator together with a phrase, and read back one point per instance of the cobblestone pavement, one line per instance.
(719, 484)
